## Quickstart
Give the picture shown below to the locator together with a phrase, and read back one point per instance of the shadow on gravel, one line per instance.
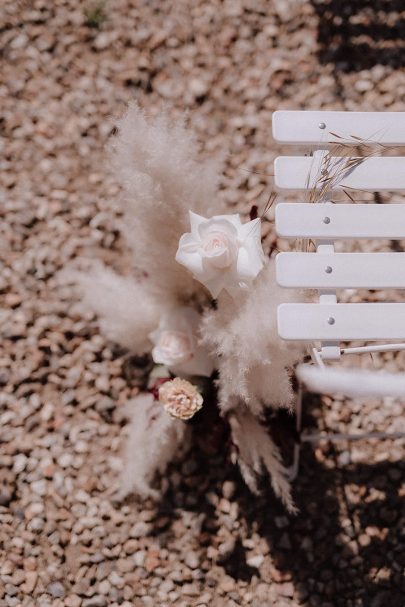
(335, 552)
(359, 34)
(343, 548)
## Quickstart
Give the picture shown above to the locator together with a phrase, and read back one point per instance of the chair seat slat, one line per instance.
(340, 221)
(341, 322)
(303, 127)
(372, 174)
(341, 270)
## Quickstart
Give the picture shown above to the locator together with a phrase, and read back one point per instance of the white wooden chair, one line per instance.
(326, 324)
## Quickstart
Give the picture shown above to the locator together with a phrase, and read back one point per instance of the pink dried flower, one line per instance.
(176, 343)
(180, 398)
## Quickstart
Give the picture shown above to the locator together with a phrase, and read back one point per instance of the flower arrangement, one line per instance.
(201, 302)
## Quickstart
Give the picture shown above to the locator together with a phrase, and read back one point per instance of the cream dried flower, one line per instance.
(222, 252)
(180, 399)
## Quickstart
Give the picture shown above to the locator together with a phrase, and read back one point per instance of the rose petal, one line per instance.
(215, 285)
(192, 261)
(210, 272)
(188, 243)
(250, 262)
(234, 219)
(158, 357)
(195, 221)
(251, 229)
(243, 265)
(217, 224)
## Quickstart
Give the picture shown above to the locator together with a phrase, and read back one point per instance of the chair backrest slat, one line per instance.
(309, 127)
(341, 322)
(341, 270)
(376, 173)
(328, 168)
(340, 221)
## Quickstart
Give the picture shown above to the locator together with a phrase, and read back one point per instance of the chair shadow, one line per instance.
(334, 552)
(334, 556)
(360, 34)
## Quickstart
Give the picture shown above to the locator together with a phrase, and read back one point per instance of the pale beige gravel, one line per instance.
(64, 541)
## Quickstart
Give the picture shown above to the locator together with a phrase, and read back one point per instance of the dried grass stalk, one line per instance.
(154, 440)
(338, 162)
(258, 453)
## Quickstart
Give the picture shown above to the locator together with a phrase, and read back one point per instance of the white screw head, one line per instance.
(322, 125)
(326, 220)
(328, 270)
(331, 320)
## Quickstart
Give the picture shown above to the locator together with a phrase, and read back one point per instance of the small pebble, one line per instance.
(56, 589)
(255, 561)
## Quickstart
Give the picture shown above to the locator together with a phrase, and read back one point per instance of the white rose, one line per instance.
(221, 252)
(176, 344)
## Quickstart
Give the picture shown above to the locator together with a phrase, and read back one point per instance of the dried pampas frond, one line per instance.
(154, 440)
(127, 312)
(156, 161)
(258, 453)
(253, 361)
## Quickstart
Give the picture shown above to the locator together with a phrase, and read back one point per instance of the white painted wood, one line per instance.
(397, 347)
(329, 350)
(341, 322)
(326, 295)
(340, 221)
(302, 127)
(351, 382)
(341, 270)
(303, 172)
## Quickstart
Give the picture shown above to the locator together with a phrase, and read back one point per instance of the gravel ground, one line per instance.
(67, 67)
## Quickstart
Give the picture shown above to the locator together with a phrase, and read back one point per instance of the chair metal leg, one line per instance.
(293, 470)
(339, 436)
(317, 437)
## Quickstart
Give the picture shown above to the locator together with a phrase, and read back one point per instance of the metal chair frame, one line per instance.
(330, 322)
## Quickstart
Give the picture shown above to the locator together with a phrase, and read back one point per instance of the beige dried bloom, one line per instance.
(180, 398)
